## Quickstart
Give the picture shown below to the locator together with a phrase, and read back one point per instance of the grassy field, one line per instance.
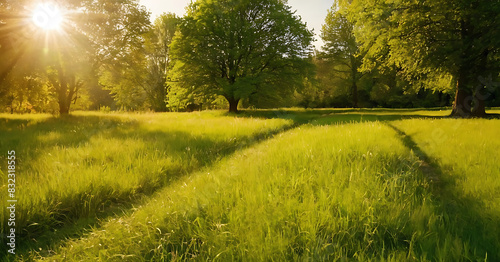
(326, 185)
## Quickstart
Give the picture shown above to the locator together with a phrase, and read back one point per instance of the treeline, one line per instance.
(251, 54)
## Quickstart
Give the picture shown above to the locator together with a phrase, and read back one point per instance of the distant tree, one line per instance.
(26, 92)
(126, 82)
(98, 37)
(9, 24)
(444, 37)
(159, 59)
(116, 31)
(241, 49)
(341, 50)
(22, 76)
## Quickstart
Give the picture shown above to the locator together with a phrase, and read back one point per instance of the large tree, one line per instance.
(447, 37)
(66, 69)
(240, 49)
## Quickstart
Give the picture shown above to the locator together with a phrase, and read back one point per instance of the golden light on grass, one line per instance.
(48, 17)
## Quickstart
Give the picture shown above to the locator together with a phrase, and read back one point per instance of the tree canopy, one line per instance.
(241, 49)
(459, 38)
(159, 63)
(341, 49)
(386, 53)
(97, 38)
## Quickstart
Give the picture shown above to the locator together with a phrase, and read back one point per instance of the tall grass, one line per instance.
(78, 166)
(345, 187)
(321, 193)
(466, 155)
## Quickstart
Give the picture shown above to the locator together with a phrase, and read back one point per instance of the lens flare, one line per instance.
(48, 17)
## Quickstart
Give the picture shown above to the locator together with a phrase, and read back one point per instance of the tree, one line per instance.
(23, 56)
(99, 36)
(447, 37)
(22, 77)
(66, 75)
(241, 49)
(341, 49)
(116, 31)
(159, 61)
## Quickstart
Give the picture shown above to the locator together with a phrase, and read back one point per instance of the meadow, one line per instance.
(322, 185)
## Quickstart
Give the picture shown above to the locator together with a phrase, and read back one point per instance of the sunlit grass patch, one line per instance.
(466, 153)
(353, 184)
(322, 193)
(464, 149)
(77, 166)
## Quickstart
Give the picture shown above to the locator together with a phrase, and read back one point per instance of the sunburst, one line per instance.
(48, 17)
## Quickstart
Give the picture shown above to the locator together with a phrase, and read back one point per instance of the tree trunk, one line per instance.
(462, 105)
(62, 99)
(61, 87)
(354, 95)
(233, 105)
(63, 102)
(479, 109)
(481, 93)
(463, 98)
(354, 77)
(63, 109)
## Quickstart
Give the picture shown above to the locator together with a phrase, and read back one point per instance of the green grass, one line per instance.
(304, 194)
(359, 185)
(79, 166)
(465, 153)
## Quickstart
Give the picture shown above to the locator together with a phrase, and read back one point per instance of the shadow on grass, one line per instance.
(462, 216)
(29, 138)
(69, 221)
(338, 116)
(73, 131)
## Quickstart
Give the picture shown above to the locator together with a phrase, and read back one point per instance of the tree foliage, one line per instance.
(97, 37)
(241, 49)
(376, 53)
(341, 50)
(159, 59)
(24, 52)
(117, 32)
(448, 37)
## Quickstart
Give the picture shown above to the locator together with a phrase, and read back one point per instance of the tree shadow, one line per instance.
(462, 216)
(338, 116)
(73, 132)
(30, 138)
(24, 135)
(77, 130)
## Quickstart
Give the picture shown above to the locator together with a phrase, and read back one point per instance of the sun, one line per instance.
(48, 16)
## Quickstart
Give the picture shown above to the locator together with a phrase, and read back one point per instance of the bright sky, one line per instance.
(313, 12)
